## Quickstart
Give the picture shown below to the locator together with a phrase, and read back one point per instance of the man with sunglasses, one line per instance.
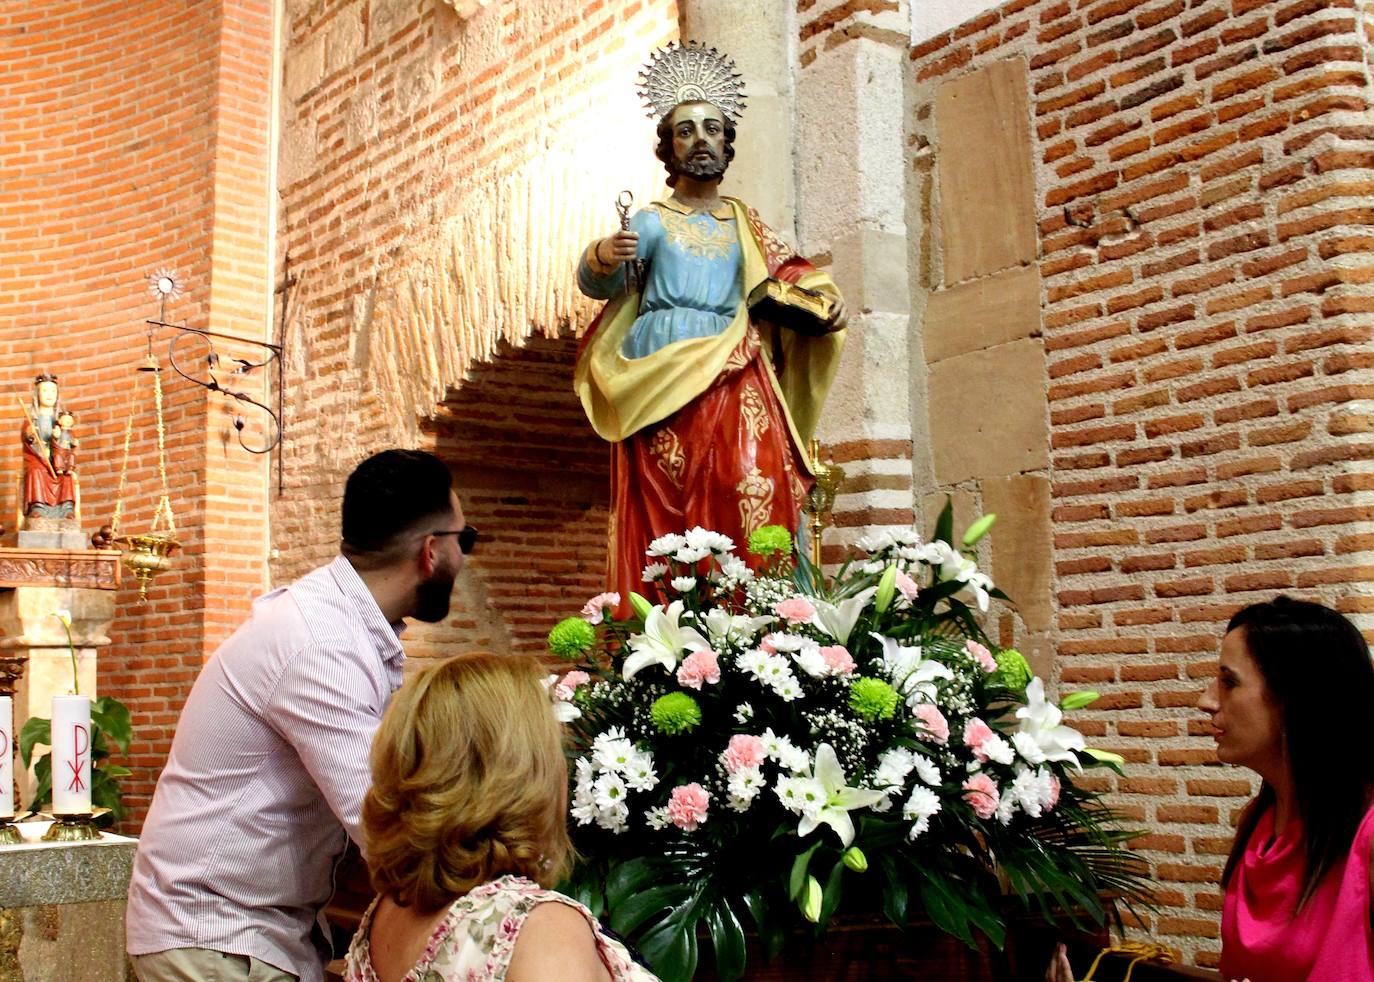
(269, 764)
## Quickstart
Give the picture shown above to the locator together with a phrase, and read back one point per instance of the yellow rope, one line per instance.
(1142, 950)
(163, 513)
(124, 465)
(164, 505)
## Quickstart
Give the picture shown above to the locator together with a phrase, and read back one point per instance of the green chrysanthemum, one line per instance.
(767, 540)
(1013, 671)
(677, 712)
(571, 638)
(872, 699)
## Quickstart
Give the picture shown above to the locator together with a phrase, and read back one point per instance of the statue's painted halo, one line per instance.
(691, 72)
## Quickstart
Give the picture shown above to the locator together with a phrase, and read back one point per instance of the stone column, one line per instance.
(851, 211)
(761, 38)
(981, 337)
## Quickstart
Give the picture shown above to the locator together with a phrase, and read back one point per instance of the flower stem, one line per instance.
(76, 682)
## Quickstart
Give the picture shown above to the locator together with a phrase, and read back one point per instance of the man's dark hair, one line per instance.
(389, 495)
(664, 150)
(1317, 667)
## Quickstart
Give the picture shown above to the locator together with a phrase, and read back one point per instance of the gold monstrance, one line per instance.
(821, 498)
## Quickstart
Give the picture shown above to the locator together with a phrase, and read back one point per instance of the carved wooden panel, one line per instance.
(91, 569)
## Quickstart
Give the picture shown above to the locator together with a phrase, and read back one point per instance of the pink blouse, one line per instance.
(1329, 941)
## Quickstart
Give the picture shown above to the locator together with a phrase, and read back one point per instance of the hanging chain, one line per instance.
(163, 513)
(124, 465)
(164, 505)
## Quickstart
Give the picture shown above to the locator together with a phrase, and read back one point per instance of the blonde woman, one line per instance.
(465, 828)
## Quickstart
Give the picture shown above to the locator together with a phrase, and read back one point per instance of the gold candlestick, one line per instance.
(820, 500)
(9, 833)
(72, 828)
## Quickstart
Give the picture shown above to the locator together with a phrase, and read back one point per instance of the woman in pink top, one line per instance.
(1293, 684)
(1292, 687)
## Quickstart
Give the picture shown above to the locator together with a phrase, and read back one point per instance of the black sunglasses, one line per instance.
(467, 535)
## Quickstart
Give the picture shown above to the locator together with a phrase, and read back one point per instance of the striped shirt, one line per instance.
(267, 773)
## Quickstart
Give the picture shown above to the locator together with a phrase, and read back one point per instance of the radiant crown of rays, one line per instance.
(691, 73)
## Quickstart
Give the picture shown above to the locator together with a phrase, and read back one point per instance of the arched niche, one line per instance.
(534, 479)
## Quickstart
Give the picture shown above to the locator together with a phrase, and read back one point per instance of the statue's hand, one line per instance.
(620, 248)
(608, 253)
(839, 317)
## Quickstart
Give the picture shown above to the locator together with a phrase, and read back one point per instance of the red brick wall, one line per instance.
(439, 177)
(535, 481)
(1202, 172)
(114, 116)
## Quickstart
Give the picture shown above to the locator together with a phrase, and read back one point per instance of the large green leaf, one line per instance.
(630, 878)
(727, 939)
(113, 718)
(629, 912)
(42, 772)
(35, 730)
(830, 895)
(770, 932)
(796, 883)
(671, 944)
(895, 895)
(944, 525)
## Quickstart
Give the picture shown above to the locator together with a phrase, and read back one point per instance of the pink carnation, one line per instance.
(568, 684)
(981, 655)
(699, 667)
(595, 608)
(976, 733)
(837, 659)
(688, 803)
(1054, 793)
(906, 586)
(933, 722)
(743, 752)
(796, 610)
(980, 791)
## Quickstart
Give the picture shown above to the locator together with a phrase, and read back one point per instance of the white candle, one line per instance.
(6, 757)
(71, 755)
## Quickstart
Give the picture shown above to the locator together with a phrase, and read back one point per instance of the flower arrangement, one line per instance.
(759, 740)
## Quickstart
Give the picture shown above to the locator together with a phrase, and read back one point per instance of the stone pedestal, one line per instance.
(62, 908)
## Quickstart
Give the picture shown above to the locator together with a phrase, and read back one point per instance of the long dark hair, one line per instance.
(1317, 666)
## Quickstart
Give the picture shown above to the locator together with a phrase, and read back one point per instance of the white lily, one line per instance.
(721, 626)
(840, 799)
(955, 566)
(663, 642)
(913, 676)
(1040, 721)
(838, 620)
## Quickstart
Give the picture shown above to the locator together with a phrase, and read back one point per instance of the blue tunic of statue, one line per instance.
(692, 287)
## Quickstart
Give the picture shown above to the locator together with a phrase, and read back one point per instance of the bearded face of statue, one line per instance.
(699, 141)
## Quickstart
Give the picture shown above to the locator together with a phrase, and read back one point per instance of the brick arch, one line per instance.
(534, 478)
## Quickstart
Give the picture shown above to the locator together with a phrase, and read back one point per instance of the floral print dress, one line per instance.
(475, 940)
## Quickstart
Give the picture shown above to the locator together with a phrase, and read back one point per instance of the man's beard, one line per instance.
(701, 168)
(432, 596)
